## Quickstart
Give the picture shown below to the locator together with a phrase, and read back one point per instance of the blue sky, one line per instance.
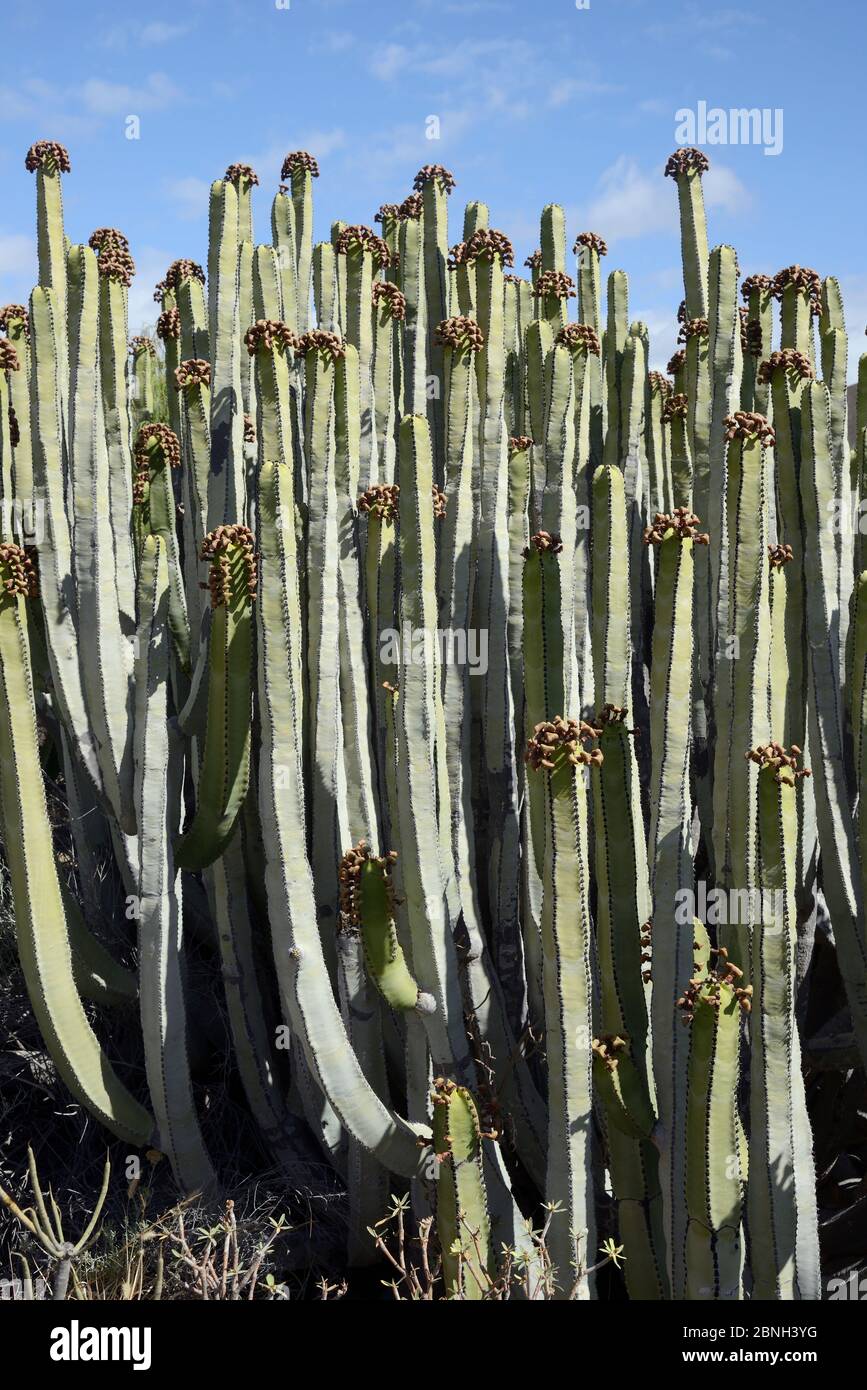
(537, 103)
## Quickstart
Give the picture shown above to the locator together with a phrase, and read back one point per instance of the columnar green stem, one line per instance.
(713, 1186)
(670, 854)
(566, 982)
(426, 877)
(462, 1210)
(226, 757)
(40, 921)
(105, 655)
(836, 838)
(743, 716)
(113, 334)
(781, 1200)
(305, 987)
(59, 604)
(226, 475)
(158, 783)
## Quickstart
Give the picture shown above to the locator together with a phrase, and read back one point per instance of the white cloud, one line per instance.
(151, 265)
(854, 291)
(564, 91)
(633, 203)
(268, 161)
(191, 196)
(465, 7)
(387, 61)
(402, 149)
(18, 256)
(118, 99)
(715, 20)
(333, 41)
(121, 37)
(723, 189)
(33, 99)
(473, 61)
(321, 143)
(668, 278)
(697, 19)
(160, 32)
(468, 7)
(499, 58)
(663, 328)
(15, 102)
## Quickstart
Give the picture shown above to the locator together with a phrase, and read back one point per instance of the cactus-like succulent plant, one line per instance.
(686, 161)
(675, 406)
(14, 314)
(299, 161)
(555, 283)
(358, 238)
(169, 324)
(682, 522)
(461, 334)
(748, 424)
(326, 344)
(270, 335)
(802, 281)
(485, 244)
(9, 359)
(578, 336)
(381, 500)
(790, 361)
(389, 298)
(367, 905)
(424, 444)
(410, 210)
(434, 173)
(48, 155)
(659, 384)
(591, 240)
(242, 175)
(194, 372)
